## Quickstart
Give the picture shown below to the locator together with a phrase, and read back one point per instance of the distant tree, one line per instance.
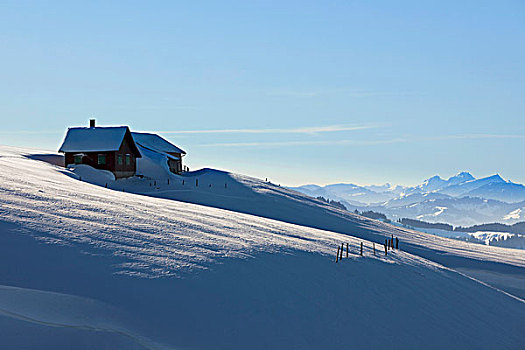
(338, 204)
(321, 198)
(424, 224)
(332, 202)
(517, 228)
(375, 215)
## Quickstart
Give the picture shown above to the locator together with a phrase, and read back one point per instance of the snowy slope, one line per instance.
(223, 279)
(253, 196)
(249, 195)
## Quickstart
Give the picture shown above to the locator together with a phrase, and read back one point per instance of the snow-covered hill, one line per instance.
(220, 189)
(83, 266)
(439, 208)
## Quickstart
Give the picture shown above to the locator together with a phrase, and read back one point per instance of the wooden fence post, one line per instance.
(374, 246)
(397, 243)
(347, 250)
(337, 256)
(385, 248)
(361, 248)
(392, 242)
(342, 248)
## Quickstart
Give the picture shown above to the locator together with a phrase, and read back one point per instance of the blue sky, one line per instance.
(296, 91)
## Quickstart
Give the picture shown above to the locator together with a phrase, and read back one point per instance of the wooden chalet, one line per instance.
(107, 148)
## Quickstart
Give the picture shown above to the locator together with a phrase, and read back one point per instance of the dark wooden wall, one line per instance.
(123, 170)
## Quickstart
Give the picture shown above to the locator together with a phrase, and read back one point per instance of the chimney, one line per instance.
(92, 123)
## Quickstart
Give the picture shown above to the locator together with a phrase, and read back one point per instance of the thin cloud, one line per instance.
(303, 143)
(407, 139)
(300, 130)
(476, 136)
(356, 93)
(30, 132)
(291, 93)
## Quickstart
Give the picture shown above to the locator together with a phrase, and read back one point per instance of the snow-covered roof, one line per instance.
(146, 152)
(94, 139)
(172, 157)
(155, 142)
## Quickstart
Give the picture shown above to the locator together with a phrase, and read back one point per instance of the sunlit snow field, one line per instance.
(84, 266)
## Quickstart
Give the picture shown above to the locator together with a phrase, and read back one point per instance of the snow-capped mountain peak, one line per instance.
(432, 184)
(434, 179)
(461, 177)
(495, 178)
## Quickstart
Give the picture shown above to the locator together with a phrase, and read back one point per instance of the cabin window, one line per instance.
(77, 159)
(119, 159)
(128, 159)
(101, 159)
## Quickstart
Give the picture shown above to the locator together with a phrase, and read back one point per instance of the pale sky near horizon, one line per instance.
(296, 91)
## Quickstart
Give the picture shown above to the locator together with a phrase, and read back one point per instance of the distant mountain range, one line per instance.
(460, 200)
